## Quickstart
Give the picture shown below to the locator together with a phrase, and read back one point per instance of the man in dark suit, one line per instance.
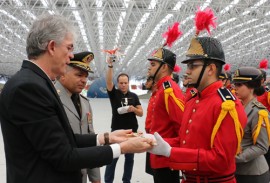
(39, 143)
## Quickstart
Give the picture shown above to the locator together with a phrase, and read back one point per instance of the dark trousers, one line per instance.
(166, 175)
(128, 167)
(148, 168)
(264, 178)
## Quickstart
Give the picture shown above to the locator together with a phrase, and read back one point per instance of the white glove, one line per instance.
(150, 136)
(162, 147)
(123, 110)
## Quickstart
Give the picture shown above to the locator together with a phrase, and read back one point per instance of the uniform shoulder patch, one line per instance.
(166, 84)
(258, 104)
(267, 89)
(225, 94)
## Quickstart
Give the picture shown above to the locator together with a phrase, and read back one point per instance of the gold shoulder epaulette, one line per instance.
(168, 91)
(228, 106)
(262, 121)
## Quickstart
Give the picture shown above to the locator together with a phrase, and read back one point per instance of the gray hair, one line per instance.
(45, 29)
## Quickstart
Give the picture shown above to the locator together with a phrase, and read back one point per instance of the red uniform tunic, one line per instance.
(149, 115)
(264, 99)
(195, 156)
(166, 124)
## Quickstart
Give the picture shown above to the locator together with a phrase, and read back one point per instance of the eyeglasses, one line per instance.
(70, 48)
(191, 66)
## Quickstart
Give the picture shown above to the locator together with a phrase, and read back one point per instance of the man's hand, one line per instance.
(109, 60)
(162, 147)
(118, 136)
(131, 108)
(136, 145)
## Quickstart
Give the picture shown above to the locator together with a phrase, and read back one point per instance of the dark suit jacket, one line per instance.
(39, 144)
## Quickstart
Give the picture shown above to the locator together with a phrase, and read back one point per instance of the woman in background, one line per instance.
(251, 165)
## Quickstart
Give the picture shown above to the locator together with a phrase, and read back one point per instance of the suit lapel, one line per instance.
(37, 70)
(84, 108)
(62, 114)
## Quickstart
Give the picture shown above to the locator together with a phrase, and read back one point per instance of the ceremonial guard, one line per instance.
(226, 78)
(167, 106)
(213, 121)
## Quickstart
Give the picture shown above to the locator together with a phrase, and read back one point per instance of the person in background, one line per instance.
(175, 77)
(211, 129)
(77, 107)
(125, 107)
(166, 105)
(39, 143)
(149, 85)
(251, 166)
(265, 97)
(265, 100)
(226, 78)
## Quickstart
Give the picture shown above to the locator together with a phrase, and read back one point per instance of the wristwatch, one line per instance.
(110, 66)
(106, 138)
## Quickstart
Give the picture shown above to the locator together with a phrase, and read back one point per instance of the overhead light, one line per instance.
(226, 22)
(151, 6)
(12, 17)
(258, 39)
(163, 21)
(254, 7)
(231, 5)
(179, 5)
(232, 28)
(80, 23)
(206, 4)
(119, 27)
(99, 4)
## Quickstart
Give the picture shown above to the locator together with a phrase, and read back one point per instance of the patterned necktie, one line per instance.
(76, 101)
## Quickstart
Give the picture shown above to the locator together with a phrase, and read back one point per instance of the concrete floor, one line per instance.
(102, 121)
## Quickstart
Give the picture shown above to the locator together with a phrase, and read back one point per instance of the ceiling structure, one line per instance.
(136, 28)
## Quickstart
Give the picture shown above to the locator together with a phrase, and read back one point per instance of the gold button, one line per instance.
(194, 110)
(197, 101)
(190, 121)
(187, 131)
(184, 142)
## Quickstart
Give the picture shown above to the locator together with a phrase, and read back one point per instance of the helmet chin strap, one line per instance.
(161, 63)
(197, 84)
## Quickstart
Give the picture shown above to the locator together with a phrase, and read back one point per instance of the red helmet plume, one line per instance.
(205, 19)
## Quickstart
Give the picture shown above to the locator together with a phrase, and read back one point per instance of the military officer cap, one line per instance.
(165, 56)
(205, 48)
(247, 74)
(82, 60)
(225, 75)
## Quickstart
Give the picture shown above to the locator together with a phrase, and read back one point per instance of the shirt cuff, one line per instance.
(116, 150)
(98, 144)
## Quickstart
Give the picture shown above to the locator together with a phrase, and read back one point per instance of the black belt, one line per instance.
(206, 179)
